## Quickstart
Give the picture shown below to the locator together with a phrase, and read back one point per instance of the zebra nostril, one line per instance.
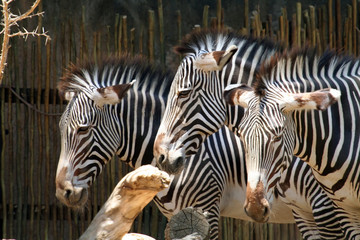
(161, 158)
(266, 211)
(68, 193)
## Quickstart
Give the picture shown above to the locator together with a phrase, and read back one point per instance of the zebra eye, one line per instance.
(83, 129)
(277, 138)
(183, 93)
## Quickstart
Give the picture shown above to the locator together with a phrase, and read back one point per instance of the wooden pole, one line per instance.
(151, 35)
(331, 26)
(354, 25)
(205, 16)
(127, 200)
(161, 32)
(338, 24)
(246, 16)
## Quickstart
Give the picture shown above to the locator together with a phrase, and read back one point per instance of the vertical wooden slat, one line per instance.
(161, 33)
(116, 32)
(56, 135)
(205, 18)
(40, 135)
(338, 24)
(298, 23)
(218, 14)
(312, 25)
(120, 36)
(124, 33)
(132, 41)
(246, 16)
(47, 139)
(354, 26)
(330, 26)
(18, 129)
(151, 19)
(83, 44)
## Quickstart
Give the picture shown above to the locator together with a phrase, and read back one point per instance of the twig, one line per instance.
(9, 20)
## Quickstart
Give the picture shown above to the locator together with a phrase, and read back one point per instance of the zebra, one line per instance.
(196, 109)
(108, 114)
(285, 111)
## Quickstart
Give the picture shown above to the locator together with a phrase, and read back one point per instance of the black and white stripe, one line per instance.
(327, 140)
(196, 109)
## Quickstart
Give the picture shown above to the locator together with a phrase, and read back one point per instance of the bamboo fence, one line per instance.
(30, 139)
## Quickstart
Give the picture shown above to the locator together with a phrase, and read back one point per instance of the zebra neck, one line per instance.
(140, 119)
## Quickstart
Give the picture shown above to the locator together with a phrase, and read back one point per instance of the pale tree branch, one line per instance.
(9, 20)
(28, 13)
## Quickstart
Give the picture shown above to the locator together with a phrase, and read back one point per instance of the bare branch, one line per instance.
(30, 11)
(9, 20)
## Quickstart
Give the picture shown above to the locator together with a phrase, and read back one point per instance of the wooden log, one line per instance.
(128, 199)
(189, 224)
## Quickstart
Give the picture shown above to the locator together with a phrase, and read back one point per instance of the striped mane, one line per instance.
(296, 58)
(214, 40)
(112, 71)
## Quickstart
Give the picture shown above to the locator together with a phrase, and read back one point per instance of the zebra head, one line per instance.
(181, 131)
(87, 141)
(268, 133)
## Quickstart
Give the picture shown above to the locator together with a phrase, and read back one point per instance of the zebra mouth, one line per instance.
(174, 167)
(73, 198)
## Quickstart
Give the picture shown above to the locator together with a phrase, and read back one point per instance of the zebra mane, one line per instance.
(86, 76)
(216, 40)
(288, 60)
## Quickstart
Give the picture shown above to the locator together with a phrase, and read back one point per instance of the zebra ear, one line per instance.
(68, 95)
(319, 100)
(216, 60)
(238, 94)
(111, 94)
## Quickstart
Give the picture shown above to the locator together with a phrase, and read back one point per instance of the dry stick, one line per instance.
(127, 200)
(6, 38)
(151, 19)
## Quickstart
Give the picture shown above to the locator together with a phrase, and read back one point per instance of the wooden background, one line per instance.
(30, 106)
